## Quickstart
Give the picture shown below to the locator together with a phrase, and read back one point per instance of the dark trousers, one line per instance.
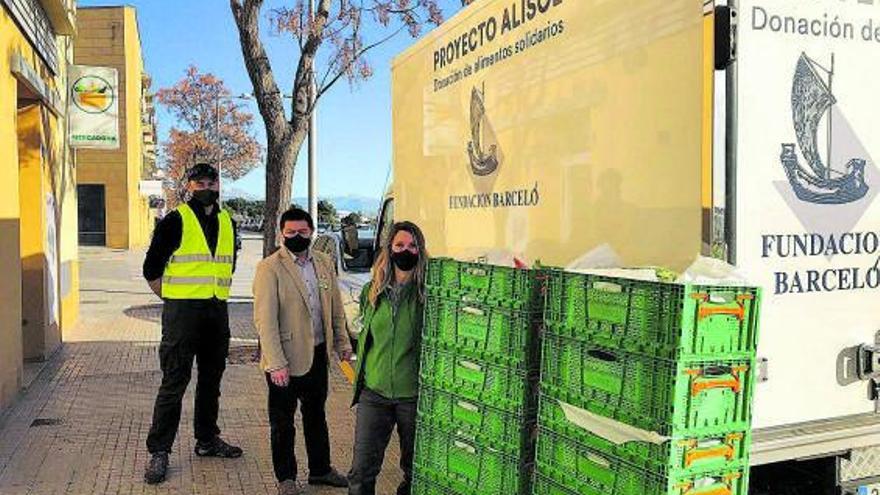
(376, 417)
(309, 391)
(190, 330)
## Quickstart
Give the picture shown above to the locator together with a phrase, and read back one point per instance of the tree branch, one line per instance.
(324, 88)
(305, 69)
(259, 68)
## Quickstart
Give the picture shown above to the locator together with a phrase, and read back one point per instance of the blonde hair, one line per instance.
(383, 269)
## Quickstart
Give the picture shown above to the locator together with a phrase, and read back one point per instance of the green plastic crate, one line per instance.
(564, 463)
(424, 486)
(495, 282)
(502, 334)
(663, 319)
(508, 389)
(668, 397)
(544, 485)
(697, 453)
(513, 433)
(467, 467)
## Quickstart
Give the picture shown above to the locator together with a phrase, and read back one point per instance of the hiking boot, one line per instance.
(157, 468)
(217, 448)
(288, 487)
(332, 478)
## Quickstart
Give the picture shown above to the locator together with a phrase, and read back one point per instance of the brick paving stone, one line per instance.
(81, 426)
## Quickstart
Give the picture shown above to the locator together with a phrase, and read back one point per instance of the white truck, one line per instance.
(667, 129)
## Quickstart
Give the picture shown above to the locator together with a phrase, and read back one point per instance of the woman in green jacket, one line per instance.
(387, 383)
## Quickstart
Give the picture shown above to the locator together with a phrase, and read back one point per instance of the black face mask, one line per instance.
(405, 260)
(297, 243)
(206, 197)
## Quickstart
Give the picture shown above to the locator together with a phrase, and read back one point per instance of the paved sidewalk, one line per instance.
(80, 427)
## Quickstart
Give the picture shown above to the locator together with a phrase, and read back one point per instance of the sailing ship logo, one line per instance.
(818, 182)
(483, 147)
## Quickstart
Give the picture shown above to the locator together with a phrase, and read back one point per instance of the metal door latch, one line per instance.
(763, 372)
(868, 366)
(725, 36)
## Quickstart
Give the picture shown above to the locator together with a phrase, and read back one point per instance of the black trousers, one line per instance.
(376, 417)
(190, 330)
(309, 391)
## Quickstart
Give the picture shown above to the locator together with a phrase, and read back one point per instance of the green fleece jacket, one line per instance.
(389, 344)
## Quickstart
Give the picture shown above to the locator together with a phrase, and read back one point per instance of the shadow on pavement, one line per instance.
(153, 312)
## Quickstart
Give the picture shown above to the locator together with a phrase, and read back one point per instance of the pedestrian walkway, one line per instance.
(80, 427)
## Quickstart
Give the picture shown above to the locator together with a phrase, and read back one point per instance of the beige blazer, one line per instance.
(282, 315)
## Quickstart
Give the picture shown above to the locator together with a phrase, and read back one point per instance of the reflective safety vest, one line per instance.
(192, 272)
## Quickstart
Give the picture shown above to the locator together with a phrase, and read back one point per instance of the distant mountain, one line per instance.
(234, 192)
(360, 204)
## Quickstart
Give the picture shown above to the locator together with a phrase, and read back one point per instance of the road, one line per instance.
(80, 427)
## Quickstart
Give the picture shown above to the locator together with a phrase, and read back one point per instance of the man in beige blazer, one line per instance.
(299, 315)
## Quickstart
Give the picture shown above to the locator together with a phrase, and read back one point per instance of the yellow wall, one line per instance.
(139, 210)
(109, 37)
(597, 131)
(24, 219)
(10, 283)
(65, 186)
(34, 263)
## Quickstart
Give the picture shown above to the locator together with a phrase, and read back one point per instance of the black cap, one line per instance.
(202, 171)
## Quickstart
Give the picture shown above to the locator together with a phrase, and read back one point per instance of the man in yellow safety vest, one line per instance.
(189, 265)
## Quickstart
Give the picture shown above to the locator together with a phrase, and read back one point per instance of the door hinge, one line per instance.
(725, 36)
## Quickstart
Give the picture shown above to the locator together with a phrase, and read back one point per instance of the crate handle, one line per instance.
(729, 439)
(469, 299)
(608, 287)
(473, 311)
(692, 456)
(598, 460)
(707, 312)
(715, 382)
(477, 272)
(727, 480)
(717, 490)
(463, 446)
(717, 371)
(471, 366)
(602, 355)
(732, 383)
(467, 406)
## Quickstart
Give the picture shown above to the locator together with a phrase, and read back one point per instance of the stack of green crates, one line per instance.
(646, 387)
(479, 375)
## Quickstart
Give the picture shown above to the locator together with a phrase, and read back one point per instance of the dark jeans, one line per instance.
(376, 417)
(190, 330)
(309, 390)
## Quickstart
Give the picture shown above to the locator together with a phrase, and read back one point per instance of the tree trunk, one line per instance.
(281, 155)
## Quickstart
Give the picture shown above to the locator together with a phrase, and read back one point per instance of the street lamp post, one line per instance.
(313, 134)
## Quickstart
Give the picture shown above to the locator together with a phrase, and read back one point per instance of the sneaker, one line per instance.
(333, 478)
(157, 468)
(217, 448)
(288, 487)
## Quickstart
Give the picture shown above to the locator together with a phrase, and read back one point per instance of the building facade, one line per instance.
(39, 292)
(112, 210)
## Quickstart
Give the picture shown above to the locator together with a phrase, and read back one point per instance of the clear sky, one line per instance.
(354, 124)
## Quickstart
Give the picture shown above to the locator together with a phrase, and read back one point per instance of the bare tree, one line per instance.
(339, 23)
(212, 128)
